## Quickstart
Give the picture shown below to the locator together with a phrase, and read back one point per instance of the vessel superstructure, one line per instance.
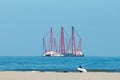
(64, 50)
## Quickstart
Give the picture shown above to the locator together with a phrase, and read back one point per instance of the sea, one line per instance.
(59, 64)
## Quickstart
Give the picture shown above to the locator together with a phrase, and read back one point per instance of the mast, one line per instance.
(44, 46)
(55, 45)
(62, 43)
(69, 45)
(73, 42)
(51, 40)
(79, 45)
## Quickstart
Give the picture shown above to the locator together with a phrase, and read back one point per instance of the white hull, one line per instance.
(51, 53)
(81, 69)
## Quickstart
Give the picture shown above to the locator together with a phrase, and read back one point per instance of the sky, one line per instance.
(23, 23)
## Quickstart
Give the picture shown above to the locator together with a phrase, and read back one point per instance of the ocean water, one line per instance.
(59, 63)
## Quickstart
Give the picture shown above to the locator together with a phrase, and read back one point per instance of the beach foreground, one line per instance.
(14, 75)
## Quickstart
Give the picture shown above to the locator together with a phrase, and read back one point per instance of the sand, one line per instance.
(11, 75)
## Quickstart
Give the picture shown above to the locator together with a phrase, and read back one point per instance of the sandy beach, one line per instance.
(11, 75)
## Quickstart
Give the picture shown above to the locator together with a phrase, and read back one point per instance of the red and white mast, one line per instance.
(62, 43)
(73, 42)
(50, 47)
(80, 45)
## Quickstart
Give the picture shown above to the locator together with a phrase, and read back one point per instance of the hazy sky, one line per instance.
(23, 23)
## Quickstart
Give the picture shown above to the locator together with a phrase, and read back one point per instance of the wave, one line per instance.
(61, 70)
